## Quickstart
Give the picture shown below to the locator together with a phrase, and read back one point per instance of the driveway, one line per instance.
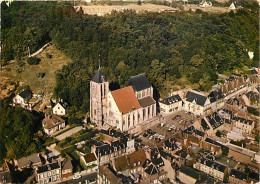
(69, 133)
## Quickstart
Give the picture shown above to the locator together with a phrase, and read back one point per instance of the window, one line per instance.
(117, 122)
(58, 107)
(61, 111)
(95, 112)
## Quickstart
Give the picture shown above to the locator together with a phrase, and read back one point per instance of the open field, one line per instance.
(101, 10)
(27, 74)
(212, 9)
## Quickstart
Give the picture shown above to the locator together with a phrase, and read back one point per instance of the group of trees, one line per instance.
(168, 47)
(20, 131)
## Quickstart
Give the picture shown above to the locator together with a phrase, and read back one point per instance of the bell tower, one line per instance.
(99, 88)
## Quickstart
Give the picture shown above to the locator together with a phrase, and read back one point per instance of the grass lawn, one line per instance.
(28, 73)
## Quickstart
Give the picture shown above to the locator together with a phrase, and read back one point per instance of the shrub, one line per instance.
(33, 60)
(48, 55)
(40, 75)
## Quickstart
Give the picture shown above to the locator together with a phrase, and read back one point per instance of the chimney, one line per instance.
(147, 163)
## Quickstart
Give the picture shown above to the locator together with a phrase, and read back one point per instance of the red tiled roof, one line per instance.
(125, 99)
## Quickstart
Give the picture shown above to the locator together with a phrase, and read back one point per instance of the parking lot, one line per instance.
(174, 123)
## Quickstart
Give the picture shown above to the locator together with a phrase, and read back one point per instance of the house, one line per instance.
(171, 104)
(52, 123)
(6, 173)
(124, 108)
(90, 161)
(240, 154)
(245, 125)
(106, 175)
(131, 163)
(237, 177)
(253, 177)
(235, 5)
(60, 108)
(48, 173)
(23, 98)
(196, 103)
(66, 168)
(205, 4)
(107, 151)
(32, 160)
(189, 175)
(212, 168)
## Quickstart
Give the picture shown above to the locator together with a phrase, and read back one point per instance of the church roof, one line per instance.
(125, 99)
(139, 82)
(99, 77)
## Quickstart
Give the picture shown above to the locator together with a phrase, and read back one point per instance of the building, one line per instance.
(32, 160)
(125, 108)
(99, 88)
(212, 168)
(60, 108)
(106, 175)
(171, 104)
(52, 123)
(66, 168)
(235, 5)
(241, 154)
(237, 177)
(196, 103)
(245, 125)
(48, 173)
(188, 175)
(141, 86)
(205, 4)
(23, 98)
(90, 161)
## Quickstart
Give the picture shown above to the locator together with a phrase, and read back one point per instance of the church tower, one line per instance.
(99, 88)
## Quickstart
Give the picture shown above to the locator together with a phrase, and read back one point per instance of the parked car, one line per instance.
(76, 176)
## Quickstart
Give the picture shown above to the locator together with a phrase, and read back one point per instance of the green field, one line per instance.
(28, 73)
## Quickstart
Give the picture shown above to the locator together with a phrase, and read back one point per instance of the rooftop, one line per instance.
(125, 99)
(99, 77)
(51, 121)
(171, 100)
(139, 82)
(238, 174)
(147, 101)
(48, 167)
(199, 99)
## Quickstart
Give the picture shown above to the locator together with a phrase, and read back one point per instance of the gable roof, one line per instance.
(171, 100)
(238, 174)
(25, 93)
(99, 77)
(199, 99)
(125, 99)
(25, 161)
(52, 121)
(139, 82)
(147, 101)
(48, 167)
(109, 175)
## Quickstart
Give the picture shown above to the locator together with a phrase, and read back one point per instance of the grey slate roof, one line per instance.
(171, 99)
(199, 99)
(215, 95)
(25, 93)
(147, 101)
(191, 130)
(99, 77)
(212, 164)
(139, 82)
(238, 174)
(48, 167)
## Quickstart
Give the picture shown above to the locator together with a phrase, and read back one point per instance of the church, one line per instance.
(124, 108)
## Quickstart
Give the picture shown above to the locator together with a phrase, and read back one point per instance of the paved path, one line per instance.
(40, 50)
(69, 133)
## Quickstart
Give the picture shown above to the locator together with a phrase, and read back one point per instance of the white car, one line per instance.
(76, 176)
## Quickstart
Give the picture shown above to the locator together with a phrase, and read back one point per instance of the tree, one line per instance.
(33, 60)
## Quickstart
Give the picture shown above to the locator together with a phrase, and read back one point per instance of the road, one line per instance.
(69, 133)
(90, 178)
